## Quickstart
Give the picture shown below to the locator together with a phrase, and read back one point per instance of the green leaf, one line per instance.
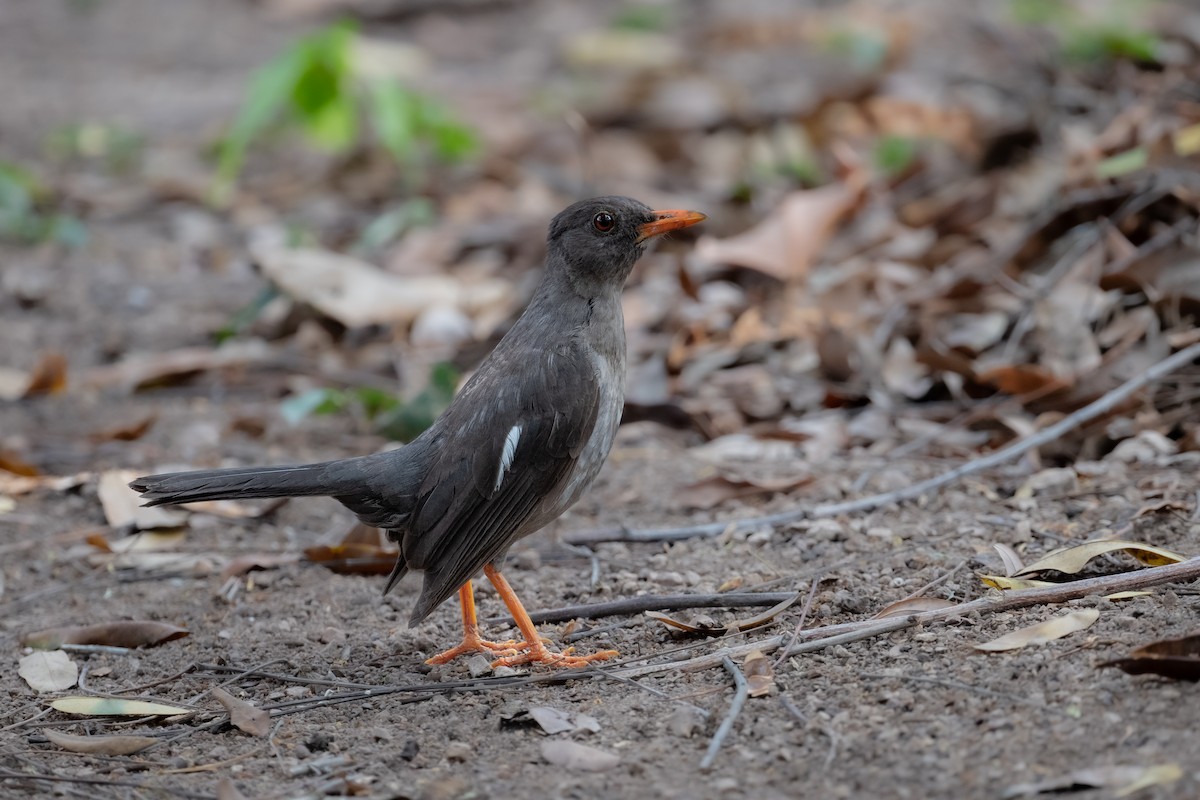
(895, 154)
(296, 408)
(113, 706)
(406, 422)
(1123, 163)
(394, 115)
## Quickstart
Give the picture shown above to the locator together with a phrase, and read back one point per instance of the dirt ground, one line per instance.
(916, 713)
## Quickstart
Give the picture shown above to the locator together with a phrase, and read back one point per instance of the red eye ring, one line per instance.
(604, 222)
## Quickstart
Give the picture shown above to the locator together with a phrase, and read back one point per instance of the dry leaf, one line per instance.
(128, 432)
(361, 552)
(1123, 780)
(240, 565)
(551, 720)
(232, 509)
(356, 293)
(11, 462)
(1043, 632)
(1005, 583)
(108, 745)
(1171, 658)
(123, 507)
(1071, 560)
(572, 755)
(913, 605)
(138, 371)
(1023, 379)
(227, 790)
(50, 671)
(788, 242)
(245, 717)
(1012, 562)
(129, 633)
(115, 707)
(710, 492)
(49, 376)
(713, 629)
(759, 674)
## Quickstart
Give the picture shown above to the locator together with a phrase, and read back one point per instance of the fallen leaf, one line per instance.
(718, 489)
(115, 707)
(913, 605)
(127, 432)
(123, 507)
(240, 565)
(361, 552)
(24, 484)
(245, 717)
(356, 293)
(1159, 507)
(232, 509)
(1126, 595)
(11, 462)
(1005, 583)
(128, 633)
(1012, 562)
(107, 745)
(1023, 379)
(49, 376)
(759, 674)
(788, 242)
(572, 755)
(1171, 658)
(227, 790)
(713, 629)
(1071, 560)
(51, 671)
(1123, 779)
(139, 371)
(1043, 632)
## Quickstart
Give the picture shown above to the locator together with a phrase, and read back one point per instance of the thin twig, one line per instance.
(1091, 411)
(741, 690)
(651, 602)
(808, 601)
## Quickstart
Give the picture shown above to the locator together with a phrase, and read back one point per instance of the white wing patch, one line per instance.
(507, 455)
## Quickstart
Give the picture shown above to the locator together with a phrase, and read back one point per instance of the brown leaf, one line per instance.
(49, 376)
(11, 462)
(1022, 379)
(245, 717)
(788, 242)
(1171, 658)
(240, 565)
(712, 629)
(710, 492)
(139, 371)
(759, 674)
(361, 552)
(913, 605)
(108, 745)
(129, 633)
(127, 432)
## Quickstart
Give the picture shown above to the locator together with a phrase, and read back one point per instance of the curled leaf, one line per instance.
(1072, 559)
(245, 717)
(1171, 658)
(760, 676)
(749, 623)
(1004, 583)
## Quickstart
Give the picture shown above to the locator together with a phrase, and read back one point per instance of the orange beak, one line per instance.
(666, 221)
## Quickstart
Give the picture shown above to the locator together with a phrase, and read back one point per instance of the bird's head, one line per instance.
(599, 240)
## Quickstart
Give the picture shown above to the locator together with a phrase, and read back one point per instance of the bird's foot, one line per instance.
(476, 644)
(540, 654)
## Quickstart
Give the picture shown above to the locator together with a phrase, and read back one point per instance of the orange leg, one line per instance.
(472, 642)
(535, 652)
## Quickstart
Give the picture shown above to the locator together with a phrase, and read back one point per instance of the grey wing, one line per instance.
(503, 452)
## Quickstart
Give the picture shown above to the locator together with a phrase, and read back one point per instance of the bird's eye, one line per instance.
(604, 222)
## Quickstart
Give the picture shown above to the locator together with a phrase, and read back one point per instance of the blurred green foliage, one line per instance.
(22, 218)
(390, 416)
(118, 149)
(1101, 31)
(648, 17)
(312, 86)
(893, 155)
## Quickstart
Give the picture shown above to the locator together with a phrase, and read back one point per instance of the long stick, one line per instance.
(1091, 411)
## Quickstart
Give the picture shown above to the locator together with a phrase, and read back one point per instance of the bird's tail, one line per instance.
(325, 478)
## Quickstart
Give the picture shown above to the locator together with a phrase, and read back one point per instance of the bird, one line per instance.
(520, 442)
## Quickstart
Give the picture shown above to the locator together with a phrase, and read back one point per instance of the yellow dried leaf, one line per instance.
(1125, 595)
(1043, 632)
(913, 605)
(1072, 559)
(1003, 583)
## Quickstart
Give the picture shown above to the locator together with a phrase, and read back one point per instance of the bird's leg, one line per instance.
(535, 651)
(472, 642)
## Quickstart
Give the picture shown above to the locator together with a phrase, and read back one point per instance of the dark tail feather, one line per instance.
(326, 478)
